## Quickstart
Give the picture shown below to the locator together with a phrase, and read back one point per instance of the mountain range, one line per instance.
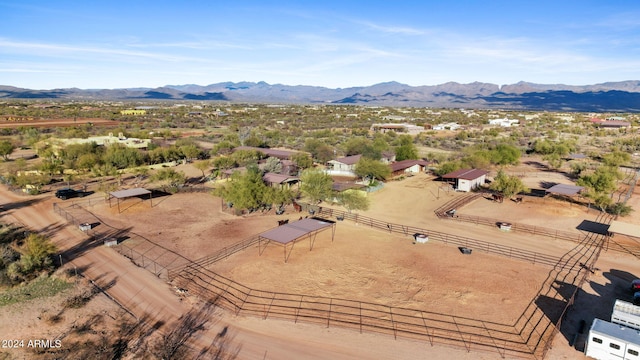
(623, 96)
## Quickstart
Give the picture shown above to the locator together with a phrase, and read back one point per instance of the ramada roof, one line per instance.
(564, 189)
(465, 174)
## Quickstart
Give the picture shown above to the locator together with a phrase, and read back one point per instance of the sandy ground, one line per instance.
(353, 267)
(58, 123)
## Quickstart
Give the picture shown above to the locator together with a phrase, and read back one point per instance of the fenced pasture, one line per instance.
(527, 333)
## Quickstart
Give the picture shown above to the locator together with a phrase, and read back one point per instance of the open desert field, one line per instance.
(53, 123)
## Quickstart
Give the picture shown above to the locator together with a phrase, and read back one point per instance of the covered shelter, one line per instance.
(623, 228)
(274, 180)
(290, 233)
(123, 194)
(569, 191)
(564, 189)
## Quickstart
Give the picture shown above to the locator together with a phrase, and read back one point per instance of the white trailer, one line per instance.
(627, 314)
(609, 341)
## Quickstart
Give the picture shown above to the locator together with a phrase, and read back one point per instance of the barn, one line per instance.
(466, 179)
(405, 167)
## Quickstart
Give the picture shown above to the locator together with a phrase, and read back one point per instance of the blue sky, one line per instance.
(117, 44)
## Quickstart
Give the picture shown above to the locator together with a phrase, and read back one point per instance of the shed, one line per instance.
(347, 163)
(273, 179)
(609, 341)
(466, 179)
(408, 167)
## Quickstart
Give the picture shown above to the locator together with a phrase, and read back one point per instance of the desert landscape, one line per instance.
(360, 264)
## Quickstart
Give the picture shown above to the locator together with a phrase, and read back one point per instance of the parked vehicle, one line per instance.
(635, 285)
(64, 194)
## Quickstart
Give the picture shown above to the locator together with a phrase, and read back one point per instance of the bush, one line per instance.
(620, 209)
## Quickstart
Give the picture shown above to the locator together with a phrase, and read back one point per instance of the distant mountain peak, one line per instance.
(623, 96)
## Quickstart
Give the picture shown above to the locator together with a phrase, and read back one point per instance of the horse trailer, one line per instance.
(626, 313)
(609, 341)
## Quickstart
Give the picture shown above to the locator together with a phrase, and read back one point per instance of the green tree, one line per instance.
(354, 200)
(554, 160)
(616, 158)
(505, 154)
(273, 165)
(6, 148)
(507, 185)
(202, 165)
(602, 180)
(316, 185)
(122, 157)
(619, 209)
(35, 256)
(372, 170)
(447, 167)
(246, 191)
(190, 151)
(406, 152)
(302, 160)
(170, 179)
(223, 162)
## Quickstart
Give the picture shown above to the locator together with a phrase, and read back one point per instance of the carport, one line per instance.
(290, 233)
(123, 194)
(623, 228)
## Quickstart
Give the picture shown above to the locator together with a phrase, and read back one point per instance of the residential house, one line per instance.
(610, 124)
(343, 166)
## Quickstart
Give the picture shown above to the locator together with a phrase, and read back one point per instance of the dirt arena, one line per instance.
(361, 263)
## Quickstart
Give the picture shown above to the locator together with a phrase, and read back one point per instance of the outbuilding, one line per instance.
(466, 179)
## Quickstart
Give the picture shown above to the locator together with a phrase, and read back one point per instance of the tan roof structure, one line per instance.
(619, 227)
(123, 194)
(564, 189)
(290, 233)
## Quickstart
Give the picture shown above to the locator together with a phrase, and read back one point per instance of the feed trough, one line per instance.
(421, 238)
(465, 250)
(505, 226)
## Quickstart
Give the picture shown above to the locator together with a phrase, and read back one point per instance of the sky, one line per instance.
(337, 44)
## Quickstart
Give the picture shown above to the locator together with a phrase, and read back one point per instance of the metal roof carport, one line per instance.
(290, 233)
(123, 194)
(623, 228)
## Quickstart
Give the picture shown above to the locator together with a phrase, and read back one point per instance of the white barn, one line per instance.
(466, 179)
(609, 341)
